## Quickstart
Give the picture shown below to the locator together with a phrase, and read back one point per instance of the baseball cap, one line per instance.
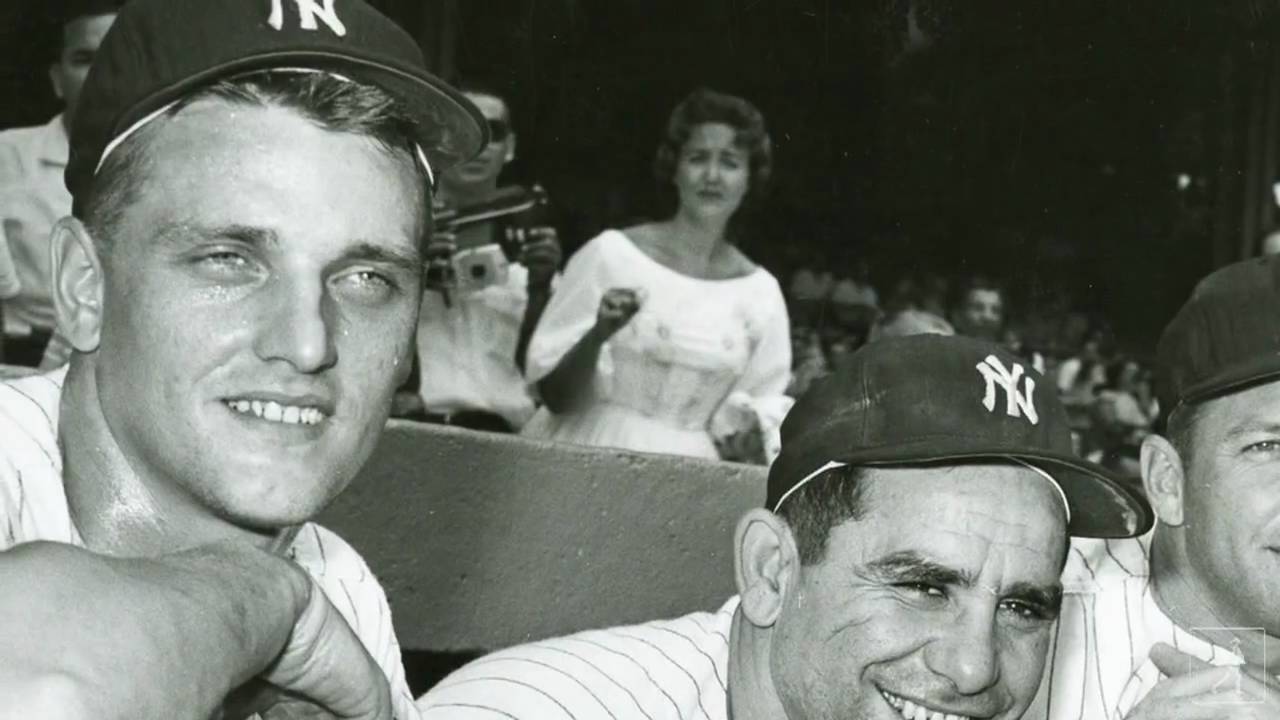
(928, 399)
(1226, 336)
(159, 51)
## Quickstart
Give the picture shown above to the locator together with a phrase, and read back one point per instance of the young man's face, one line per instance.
(942, 595)
(483, 170)
(80, 40)
(1231, 506)
(981, 315)
(260, 298)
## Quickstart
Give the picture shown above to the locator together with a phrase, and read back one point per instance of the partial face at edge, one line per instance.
(485, 167)
(1231, 506)
(943, 595)
(80, 40)
(260, 299)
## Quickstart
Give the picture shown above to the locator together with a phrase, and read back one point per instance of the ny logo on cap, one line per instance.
(309, 11)
(1017, 402)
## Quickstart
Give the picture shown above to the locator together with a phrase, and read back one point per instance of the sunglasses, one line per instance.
(498, 130)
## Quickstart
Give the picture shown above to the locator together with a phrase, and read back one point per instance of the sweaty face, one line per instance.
(260, 297)
(484, 168)
(1231, 507)
(982, 314)
(80, 40)
(942, 596)
(712, 174)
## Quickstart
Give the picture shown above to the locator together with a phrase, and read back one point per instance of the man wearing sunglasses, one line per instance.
(498, 257)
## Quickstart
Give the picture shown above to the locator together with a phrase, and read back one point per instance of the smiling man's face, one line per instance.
(259, 303)
(942, 596)
(1231, 506)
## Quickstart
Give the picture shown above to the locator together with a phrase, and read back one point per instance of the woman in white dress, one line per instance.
(665, 337)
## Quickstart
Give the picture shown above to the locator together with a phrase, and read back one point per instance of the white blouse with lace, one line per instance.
(701, 359)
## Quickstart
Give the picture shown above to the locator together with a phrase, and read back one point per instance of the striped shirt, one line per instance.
(666, 670)
(33, 506)
(1098, 667)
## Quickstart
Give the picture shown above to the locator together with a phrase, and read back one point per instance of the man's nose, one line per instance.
(966, 654)
(299, 327)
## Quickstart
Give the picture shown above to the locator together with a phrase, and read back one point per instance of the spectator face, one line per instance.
(80, 40)
(712, 174)
(483, 170)
(981, 315)
(1231, 507)
(258, 303)
(942, 595)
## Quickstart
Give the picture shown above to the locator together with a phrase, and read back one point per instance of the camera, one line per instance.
(511, 214)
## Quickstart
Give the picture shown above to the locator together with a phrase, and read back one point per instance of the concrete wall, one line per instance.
(484, 541)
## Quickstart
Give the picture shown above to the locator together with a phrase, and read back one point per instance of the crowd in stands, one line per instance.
(1107, 392)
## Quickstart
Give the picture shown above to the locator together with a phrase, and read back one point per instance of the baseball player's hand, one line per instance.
(323, 672)
(617, 307)
(1197, 690)
(540, 252)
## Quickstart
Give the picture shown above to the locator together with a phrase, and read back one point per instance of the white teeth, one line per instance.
(911, 711)
(272, 411)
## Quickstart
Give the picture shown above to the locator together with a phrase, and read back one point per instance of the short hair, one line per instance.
(65, 12)
(1179, 430)
(828, 500)
(330, 102)
(704, 106)
(976, 282)
(480, 87)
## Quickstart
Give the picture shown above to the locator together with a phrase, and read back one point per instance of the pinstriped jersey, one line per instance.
(1098, 667)
(33, 506)
(666, 670)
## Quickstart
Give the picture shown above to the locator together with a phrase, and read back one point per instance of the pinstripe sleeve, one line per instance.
(666, 670)
(357, 594)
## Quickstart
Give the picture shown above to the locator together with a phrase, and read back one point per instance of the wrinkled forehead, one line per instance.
(967, 513)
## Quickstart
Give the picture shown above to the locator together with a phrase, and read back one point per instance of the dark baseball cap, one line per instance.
(928, 399)
(159, 51)
(1225, 338)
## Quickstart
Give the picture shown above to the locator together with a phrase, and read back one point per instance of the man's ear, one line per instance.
(55, 79)
(767, 565)
(1164, 478)
(77, 284)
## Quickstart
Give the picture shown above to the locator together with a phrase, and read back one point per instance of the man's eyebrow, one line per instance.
(1249, 426)
(185, 231)
(260, 237)
(1048, 597)
(910, 566)
(408, 261)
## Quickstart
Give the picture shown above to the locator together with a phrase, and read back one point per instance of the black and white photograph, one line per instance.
(640, 360)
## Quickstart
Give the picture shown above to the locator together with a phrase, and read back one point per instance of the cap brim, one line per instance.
(451, 130)
(1102, 505)
(1237, 377)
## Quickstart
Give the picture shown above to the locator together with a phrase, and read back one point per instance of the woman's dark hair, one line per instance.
(703, 106)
